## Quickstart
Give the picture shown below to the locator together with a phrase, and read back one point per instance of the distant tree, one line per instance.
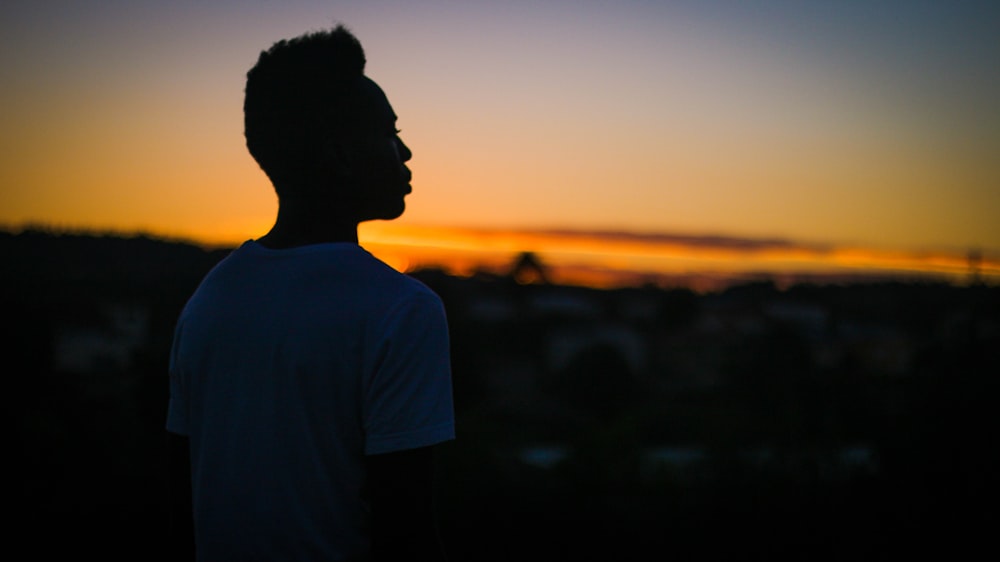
(528, 270)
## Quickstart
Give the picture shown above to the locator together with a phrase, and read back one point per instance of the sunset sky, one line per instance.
(683, 136)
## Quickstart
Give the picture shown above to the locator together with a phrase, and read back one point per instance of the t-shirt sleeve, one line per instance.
(177, 420)
(408, 394)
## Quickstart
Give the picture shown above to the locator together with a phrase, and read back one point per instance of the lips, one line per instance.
(407, 177)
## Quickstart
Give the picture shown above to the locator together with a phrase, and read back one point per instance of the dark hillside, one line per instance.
(89, 321)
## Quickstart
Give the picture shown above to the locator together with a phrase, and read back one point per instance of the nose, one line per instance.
(404, 151)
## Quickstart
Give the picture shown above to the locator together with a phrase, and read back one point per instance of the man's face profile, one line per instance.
(375, 156)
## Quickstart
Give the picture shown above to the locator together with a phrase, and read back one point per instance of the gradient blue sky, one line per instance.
(871, 123)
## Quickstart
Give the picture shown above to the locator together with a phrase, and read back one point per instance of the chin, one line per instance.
(388, 212)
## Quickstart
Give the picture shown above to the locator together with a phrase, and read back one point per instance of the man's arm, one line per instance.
(180, 519)
(401, 491)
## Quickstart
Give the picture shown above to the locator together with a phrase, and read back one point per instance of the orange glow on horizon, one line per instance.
(605, 260)
(615, 259)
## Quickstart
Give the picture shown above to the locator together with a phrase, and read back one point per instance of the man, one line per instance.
(309, 379)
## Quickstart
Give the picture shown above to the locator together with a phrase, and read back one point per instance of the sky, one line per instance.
(712, 134)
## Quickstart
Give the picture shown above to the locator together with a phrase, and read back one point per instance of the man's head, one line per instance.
(321, 130)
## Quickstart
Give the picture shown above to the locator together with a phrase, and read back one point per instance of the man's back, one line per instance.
(288, 367)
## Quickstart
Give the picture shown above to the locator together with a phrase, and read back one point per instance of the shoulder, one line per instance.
(413, 303)
(401, 289)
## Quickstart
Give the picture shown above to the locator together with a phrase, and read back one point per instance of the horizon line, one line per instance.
(610, 258)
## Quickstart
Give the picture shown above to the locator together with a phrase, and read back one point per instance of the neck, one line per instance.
(301, 225)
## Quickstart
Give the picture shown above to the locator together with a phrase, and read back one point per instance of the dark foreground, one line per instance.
(812, 423)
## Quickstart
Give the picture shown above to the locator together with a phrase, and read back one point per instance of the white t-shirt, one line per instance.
(288, 366)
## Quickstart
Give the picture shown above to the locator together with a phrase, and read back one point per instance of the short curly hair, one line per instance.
(296, 97)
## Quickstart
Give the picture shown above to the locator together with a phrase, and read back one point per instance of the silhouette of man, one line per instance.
(308, 379)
